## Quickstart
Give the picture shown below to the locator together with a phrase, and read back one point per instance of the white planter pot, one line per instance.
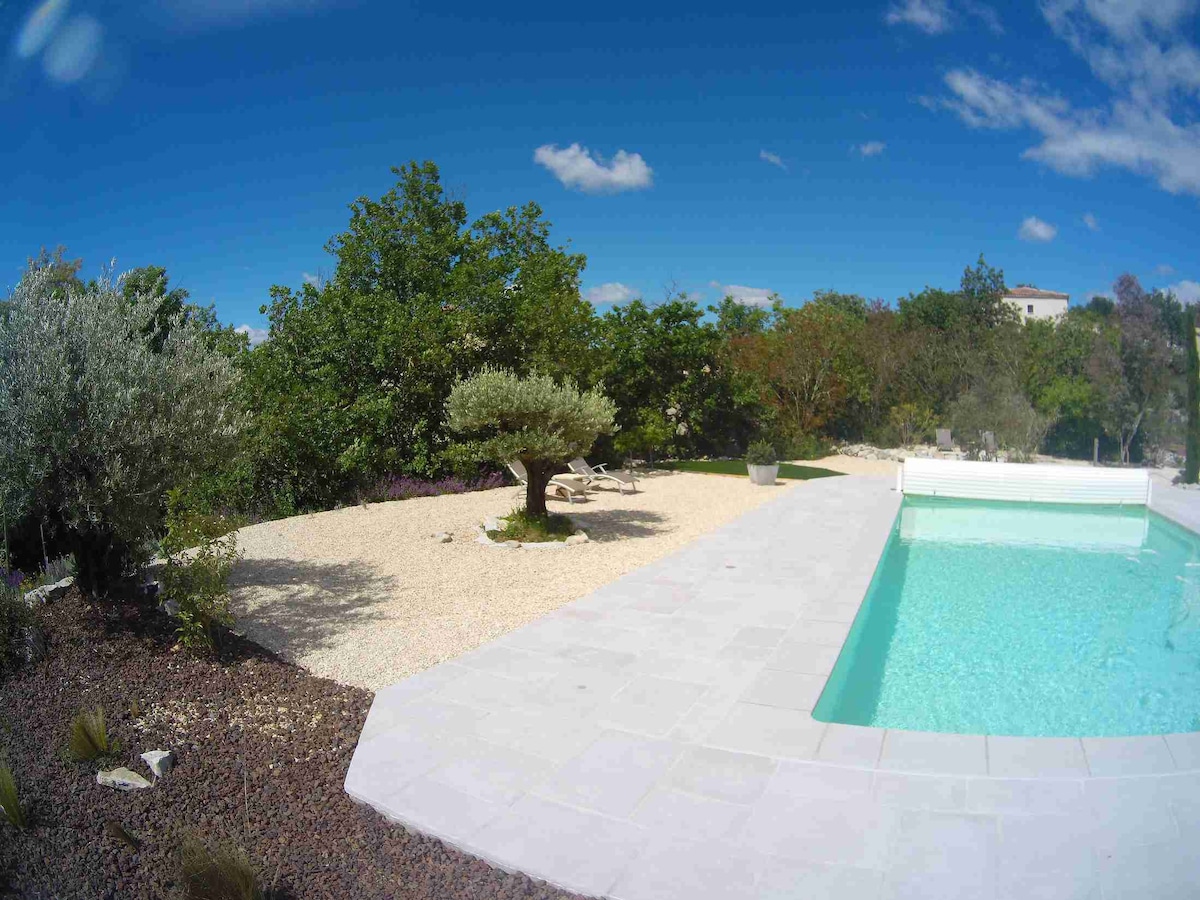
(763, 474)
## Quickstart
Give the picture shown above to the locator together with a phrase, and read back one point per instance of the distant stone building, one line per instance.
(1034, 303)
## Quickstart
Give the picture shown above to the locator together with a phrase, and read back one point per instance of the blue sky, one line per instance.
(874, 147)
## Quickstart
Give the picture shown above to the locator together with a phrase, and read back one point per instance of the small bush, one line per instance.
(10, 802)
(911, 423)
(761, 453)
(89, 735)
(201, 552)
(220, 872)
(521, 525)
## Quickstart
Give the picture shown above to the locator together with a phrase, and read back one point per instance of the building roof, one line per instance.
(1029, 292)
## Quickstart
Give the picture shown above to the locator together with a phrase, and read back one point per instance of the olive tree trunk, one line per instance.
(539, 473)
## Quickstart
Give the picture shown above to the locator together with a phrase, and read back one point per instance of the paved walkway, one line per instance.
(653, 741)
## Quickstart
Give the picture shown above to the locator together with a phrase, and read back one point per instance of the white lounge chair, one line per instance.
(597, 473)
(565, 487)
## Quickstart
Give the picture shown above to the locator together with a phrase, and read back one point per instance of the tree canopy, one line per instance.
(536, 420)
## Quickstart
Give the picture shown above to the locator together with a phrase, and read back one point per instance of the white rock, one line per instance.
(576, 539)
(512, 545)
(122, 779)
(170, 607)
(159, 761)
(443, 537)
(36, 597)
(492, 523)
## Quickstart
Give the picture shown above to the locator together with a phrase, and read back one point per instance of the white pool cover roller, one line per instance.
(1018, 481)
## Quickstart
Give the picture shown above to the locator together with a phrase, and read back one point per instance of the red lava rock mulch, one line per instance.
(262, 749)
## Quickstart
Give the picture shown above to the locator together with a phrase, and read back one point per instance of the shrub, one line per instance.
(996, 406)
(98, 420)
(15, 617)
(535, 420)
(201, 552)
(911, 422)
(761, 453)
(10, 801)
(521, 525)
(216, 872)
(89, 735)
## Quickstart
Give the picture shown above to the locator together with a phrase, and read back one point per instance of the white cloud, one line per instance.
(1186, 291)
(937, 16)
(576, 167)
(1140, 50)
(1090, 221)
(310, 278)
(929, 16)
(256, 335)
(747, 296)
(773, 158)
(611, 292)
(987, 15)
(1034, 229)
(1164, 269)
(870, 148)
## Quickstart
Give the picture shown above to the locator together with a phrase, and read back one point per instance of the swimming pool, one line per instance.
(988, 617)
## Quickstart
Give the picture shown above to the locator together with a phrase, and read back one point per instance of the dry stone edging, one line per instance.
(493, 523)
(48, 592)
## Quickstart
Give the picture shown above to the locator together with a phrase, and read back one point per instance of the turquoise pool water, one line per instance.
(1025, 619)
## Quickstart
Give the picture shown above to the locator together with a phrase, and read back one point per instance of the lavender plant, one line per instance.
(404, 487)
(99, 421)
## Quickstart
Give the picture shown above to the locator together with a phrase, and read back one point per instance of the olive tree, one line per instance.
(534, 420)
(98, 423)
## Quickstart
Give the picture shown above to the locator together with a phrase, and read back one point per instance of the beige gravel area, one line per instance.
(366, 596)
(854, 465)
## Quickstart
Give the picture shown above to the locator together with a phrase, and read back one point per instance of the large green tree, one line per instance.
(353, 381)
(666, 361)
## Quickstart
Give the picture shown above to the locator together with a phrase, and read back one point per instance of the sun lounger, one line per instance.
(564, 486)
(597, 473)
(944, 440)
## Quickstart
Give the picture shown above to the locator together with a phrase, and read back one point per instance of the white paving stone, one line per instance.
(667, 813)
(721, 774)
(1128, 755)
(612, 775)
(654, 740)
(768, 731)
(650, 705)
(851, 745)
(786, 690)
(921, 751)
(1022, 757)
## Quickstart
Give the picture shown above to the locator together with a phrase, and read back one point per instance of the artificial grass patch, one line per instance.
(521, 526)
(738, 467)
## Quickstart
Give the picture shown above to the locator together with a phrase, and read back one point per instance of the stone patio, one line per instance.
(654, 740)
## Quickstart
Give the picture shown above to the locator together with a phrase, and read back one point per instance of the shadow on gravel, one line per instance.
(617, 524)
(294, 606)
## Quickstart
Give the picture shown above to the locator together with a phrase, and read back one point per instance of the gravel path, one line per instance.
(365, 595)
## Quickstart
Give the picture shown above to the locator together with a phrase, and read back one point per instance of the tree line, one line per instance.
(352, 383)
